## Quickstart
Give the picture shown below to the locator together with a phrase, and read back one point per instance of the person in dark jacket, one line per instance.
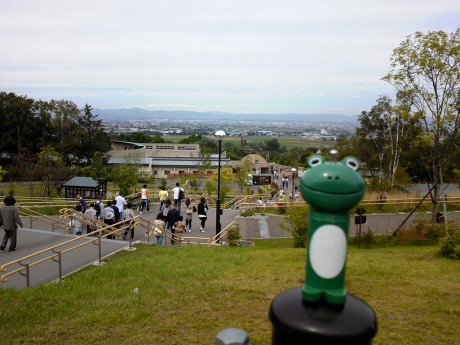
(173, 217)
(9, 217)
(116, 211)
(202, 208)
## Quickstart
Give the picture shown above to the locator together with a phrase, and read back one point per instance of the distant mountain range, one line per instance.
(143, 115)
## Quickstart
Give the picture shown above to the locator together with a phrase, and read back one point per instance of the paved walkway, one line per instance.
(37, 236)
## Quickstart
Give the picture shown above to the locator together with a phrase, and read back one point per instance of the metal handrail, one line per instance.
(102, 231)
(107, 231)
(208, 240)
(27, 212)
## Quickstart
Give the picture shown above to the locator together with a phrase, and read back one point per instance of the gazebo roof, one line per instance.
(81, 181)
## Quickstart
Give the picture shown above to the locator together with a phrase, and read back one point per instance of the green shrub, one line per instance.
(233, 236)
(282, 209)
(296, 222)
(449, 247)
(434, 232)
(367, 239)
(422, 232)
(248, 213)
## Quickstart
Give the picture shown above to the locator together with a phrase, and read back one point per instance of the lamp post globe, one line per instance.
(219, 134)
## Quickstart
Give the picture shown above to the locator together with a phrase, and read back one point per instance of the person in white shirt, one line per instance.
(177, 200)
(121, 202)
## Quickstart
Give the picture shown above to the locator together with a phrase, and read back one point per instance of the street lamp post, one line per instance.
(219, 135)
(293, 179)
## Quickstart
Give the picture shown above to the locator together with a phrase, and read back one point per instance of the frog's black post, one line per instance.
(322, 312)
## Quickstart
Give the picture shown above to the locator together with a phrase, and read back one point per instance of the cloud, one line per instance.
(259, 55)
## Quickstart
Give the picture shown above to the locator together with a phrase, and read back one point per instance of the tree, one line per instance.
(388, 129)
(226, 176)
(373, 129)
(53, 169)
(272, 145)
(125, 177)
(91, 137)
(242, 173)
(192, 139)
(2, 173)
(99, 167)
(18, 130)
(426, 68)
(208, 146)
(76, 134)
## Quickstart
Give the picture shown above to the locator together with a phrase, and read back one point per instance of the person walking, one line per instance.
(9, 218)
(116, 211)
(99, 206)
(109, 220)
(179, 229)
(144, 199)
(189, 214)
(162, 195)
(92, 213)
(158, 228)
(120, 201)
(106, 209)
(173, 217)
(178, 195)
(202, 208)
(165, 211)
(129, 226)
(75, 223)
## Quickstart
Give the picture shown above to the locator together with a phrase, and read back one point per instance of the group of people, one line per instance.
(111, 214)
(170, 216)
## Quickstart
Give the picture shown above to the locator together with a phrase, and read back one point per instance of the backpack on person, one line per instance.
(181, 194)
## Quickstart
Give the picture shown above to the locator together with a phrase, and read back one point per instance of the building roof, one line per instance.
(173, 161)
(187, 163)
(81, 181)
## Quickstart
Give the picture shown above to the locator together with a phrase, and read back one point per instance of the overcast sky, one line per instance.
(242, 56)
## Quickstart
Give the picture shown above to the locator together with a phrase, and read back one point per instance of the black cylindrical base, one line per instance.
(298, 322)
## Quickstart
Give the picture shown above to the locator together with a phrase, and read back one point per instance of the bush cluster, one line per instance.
(233, 236)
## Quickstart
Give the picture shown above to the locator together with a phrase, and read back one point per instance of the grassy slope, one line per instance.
(187, 295)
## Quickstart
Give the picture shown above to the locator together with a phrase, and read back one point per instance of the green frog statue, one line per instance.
(332, 188)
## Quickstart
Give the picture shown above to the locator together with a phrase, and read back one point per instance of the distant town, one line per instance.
(162, 122)
(303, 130)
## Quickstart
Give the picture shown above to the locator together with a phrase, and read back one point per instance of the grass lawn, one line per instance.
(187, 295)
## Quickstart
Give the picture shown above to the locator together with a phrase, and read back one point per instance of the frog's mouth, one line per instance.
(330, 193)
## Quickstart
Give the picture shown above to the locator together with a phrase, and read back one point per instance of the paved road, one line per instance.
(39, 236)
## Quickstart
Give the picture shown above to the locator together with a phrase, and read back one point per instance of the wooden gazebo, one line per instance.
(87, 187)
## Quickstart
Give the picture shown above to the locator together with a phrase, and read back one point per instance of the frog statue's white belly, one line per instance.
(328, 251)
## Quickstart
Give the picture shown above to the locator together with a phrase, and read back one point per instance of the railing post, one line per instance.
(27, 274)
(59, 261)
(148, 231)
(99, 244)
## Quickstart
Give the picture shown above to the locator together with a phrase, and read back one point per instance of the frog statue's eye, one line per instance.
(351, 162)
(314, 161)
